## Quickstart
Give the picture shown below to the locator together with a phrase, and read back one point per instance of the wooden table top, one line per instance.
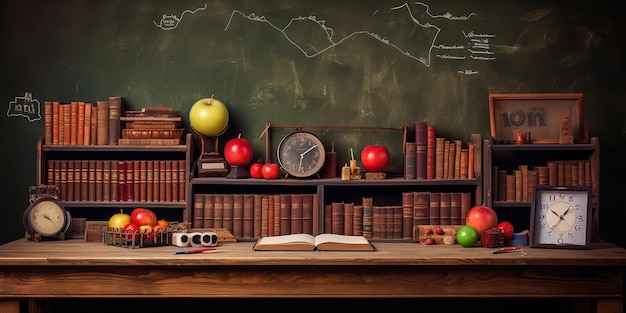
(79, 253)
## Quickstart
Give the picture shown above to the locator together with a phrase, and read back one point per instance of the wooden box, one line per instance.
(539, 117)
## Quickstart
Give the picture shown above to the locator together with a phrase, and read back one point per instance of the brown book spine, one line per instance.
(379, 230)
(91, 195)
(121, 180)
(277, 221)
(218, 210)
(136, 180)
(229, 211)
(390, 225)
(348, 218)
(265, 216)
(407, 215)
(63, 180)
(74, 123)
(70, 180)
(574, 172)
(523, 168)
(457, 158)
(175, 186)
(455, 208)
(106, 180)
(543, 173)
(77, 180)
(198, 210)
(237, 215)
(55, 122)
(114, 180)
(439, 153)
(410, 164)
(130, 180)
(560, 172)
(446, 159)
(503, 184)
(93, 126)
(445, 213)
(115, 112)
(336, 213)
(182, 180)
(143, 180)
(533, 180)
(588, 177)
(67, 124)
(248, 215)
(471, 158)
(581, 173)
(149, 141)
(84, 180)
(464, 159)
(296, 213)
(47, 122)
(168, 181)
(316, 215)
(163, 182)
(328, 218)
(257, 215)
(50, 172)
(466, 205)
(358, 220)
(270, 215)
(285, 214)
(567, 172)
(156, 180)
(510, 187)
(80, 123)
(368, 214)
(99, 189)
(87, 124)
(397, 221)
(209, 211)
(518, 185)
(430, 152)
(307, 213)
(57, 173)
(102, 123)
(421, 208)
(421, 143)
(149, 180)
(434, 208)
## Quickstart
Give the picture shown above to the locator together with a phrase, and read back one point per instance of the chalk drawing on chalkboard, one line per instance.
(169, 22)
(26, 107)
(407, 45)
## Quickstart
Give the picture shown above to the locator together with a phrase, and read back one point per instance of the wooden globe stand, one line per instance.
(210, 163)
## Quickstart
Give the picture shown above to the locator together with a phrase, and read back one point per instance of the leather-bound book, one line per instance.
(208, 214)
(409, 161)
(421, 208)
(430, 151)
(63, 180)
(74, 123)
(198, 210)
(57, 173)
(379, 222)
(348, 218)
(47, 122)
(91, 180)
(285, 214)
(182, 181)
(466, 205)
(93, 126)
(296, 213)
(149, 180)
(446, 159)
(434, 208)
(471, 158)
(168, 180)
(67, 124)
(510, 187)
(270, 215)
(130, 178)
(248, 215)
(439, 154)
(77, 180)
(464, 163)
(265, 220)
(445, 212)
(121, 180)
(307, 213)
(455, 208)
(503, 185)
(102, 122)
(143, 180)
(156, 180)
(421, 149)
(237, 229)
(163, 181)
(358, 220)
(337, 217)
(116, 107)
(114, 180)
(106, 180)
(458, 147)
(397, 221)
(70, 180)
(99, 180)
(518, 185)
(218, 210)
(87, 124)
(80, 123)
(368, 214)
(229, 212)
(277, 221)
(257, 215)
(407, 215)
(55, 122)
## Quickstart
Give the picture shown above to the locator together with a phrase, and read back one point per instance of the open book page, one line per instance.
(342, 242)
(301, 242)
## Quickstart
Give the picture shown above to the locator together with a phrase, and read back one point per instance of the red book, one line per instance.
(421, 142)
(430, 151)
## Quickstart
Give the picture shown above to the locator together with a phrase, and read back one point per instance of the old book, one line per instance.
(510, 187)
(47, 122)
(307, 213)
(163, 182)
(439, 152)
(121, 180)
(143, 180)
(518, 185)
(84, 180)
(80, 123)
(182, 181)
(348, 218)
(237, 204)
(458, 145)
(434, 209)
(567, 172)
(91, 195)
(471, 158)
(149, 180)
(523, 168)
(149, 141)
(533, 180)
(407, 214)
(421, 208)
(308, 242)
(588, 178)
(150, 125)
(248, 215)
(265, 210)
(270, 215)
(368, 211)
(73, 123)
(285, 214)
(57, 173)
(175, 183)
(277, 222)
(63, 180)
(421, 142)
(153, 133)
(156, 180)
(114, 180)
(87, 124)
(296, 213)
(464, 165)
(430, 151)
(466, 205)
(257, 214)
(50, 172)
(581, 172)
(208, 214)
(543, 175)
(168, 180)
(397, 221)
(116, 107)
(574, 172)
(102, 122)
(218, 210)
(409, 160)
(357, 224)
(99, 169)
(229, 211)
(55, 122)
(328, 220)
(379, 226)
(106, 180)
(446, 159)
(445, 212)
(560, 172)
(93, 125)
(455, 208)
(77, 180)
(502, 185)
(130, 179)
(70, 180)
(198, 210)
(67, 124)
(336, 212)
(316, 214)
(494, 183)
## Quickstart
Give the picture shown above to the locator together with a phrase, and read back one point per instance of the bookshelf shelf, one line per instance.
(501, 159)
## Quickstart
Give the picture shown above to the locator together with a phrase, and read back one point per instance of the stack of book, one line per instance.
(152, 126)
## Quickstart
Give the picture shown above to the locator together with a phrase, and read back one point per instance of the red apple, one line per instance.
(375, 158)
(238, 151)
(481, 218)
(141, 217)
(507, 229)
(270, 170)
(256, 170)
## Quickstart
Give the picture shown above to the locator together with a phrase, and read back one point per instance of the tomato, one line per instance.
(507, 229)
(481, 218)
(238, 151)
(141, 216)
(467, 236)
(129, 230)
(256, 170)
(270, 170)
(375, 158)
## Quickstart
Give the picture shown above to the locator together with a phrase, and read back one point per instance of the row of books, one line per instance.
(83, 123)
(118, 180)
(517, 185)
(432, 157)
(260, 215)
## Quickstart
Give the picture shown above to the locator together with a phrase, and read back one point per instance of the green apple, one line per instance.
(209, 117)
(467, 236)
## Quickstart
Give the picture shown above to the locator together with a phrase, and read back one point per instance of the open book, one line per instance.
(307, 242)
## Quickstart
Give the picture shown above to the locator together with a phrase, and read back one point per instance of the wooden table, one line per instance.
(76, 269)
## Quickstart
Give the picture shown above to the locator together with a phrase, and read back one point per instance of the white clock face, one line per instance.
(561, 217)
(47, 218)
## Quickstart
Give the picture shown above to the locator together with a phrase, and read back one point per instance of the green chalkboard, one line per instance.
(298, 62)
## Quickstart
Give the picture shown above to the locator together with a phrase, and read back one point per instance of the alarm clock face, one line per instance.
(47, 218)
(301, 154)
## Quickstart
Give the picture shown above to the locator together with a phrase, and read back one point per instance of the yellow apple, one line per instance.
(209, 117)
(119, 220)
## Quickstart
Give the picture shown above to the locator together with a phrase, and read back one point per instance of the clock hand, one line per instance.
(307, 151)
(300, 164)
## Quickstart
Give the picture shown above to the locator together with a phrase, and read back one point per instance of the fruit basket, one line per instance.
(114, 236)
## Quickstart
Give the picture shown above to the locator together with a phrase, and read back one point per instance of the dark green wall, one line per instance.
(360, 63)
